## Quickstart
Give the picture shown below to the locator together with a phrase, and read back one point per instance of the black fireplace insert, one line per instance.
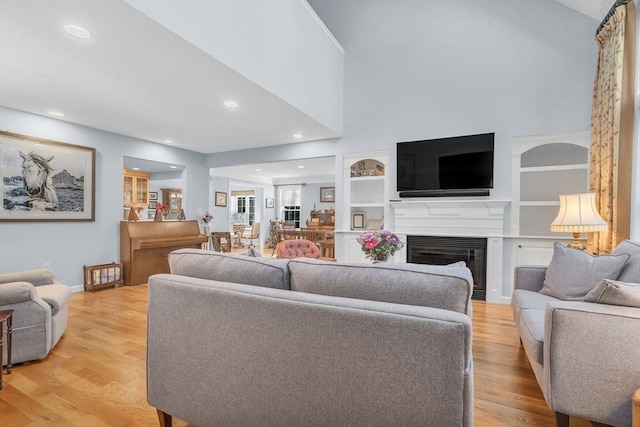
(447, 250)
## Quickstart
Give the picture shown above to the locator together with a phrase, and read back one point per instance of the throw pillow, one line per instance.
(573, 273)
(631, 270)
(615, 293)
(254, 253)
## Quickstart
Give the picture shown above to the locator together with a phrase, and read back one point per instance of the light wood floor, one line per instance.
(95, 376)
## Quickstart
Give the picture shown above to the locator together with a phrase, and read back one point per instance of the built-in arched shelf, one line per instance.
(366, 200)
(543, 168)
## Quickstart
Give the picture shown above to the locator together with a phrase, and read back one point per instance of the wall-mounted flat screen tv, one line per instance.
(456, 166)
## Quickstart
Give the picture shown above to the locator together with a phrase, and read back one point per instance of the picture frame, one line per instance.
(46, 180)
(221, 199)
(327, 194)
(153, 195)
(357, 220)
(270, 203)
(152, 204)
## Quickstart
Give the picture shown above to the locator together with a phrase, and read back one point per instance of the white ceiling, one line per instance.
(136, 78)
(287, 172)
(596, 9)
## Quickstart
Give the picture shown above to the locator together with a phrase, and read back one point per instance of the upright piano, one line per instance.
(145, 246)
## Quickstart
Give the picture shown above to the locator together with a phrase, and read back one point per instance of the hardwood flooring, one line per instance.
(95, 376)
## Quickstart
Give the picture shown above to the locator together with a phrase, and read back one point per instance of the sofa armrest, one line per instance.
(16, 292)
(529, 277)
(591, 360)
(38, 277)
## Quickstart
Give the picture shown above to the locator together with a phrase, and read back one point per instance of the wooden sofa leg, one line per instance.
(165, 419)
(562, 420)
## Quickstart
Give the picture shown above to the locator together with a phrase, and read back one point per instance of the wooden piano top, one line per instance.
(159, 229)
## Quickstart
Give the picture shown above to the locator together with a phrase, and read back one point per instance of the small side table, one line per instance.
(216, 237)
(5, 317)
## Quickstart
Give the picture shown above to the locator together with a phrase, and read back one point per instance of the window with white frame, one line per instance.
(243, 207)
(290, 201)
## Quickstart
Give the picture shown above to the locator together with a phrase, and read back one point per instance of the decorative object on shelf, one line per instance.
(327, 194)
(133, 215)
(182, 216)
(161, 211)
(153, 195)
(357, 221)
(379, 245)
(375, 224)
(577, 215)
(221, 199)
(46, 180)
(270, 203)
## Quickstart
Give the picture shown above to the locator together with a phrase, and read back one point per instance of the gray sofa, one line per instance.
(40, 305)
(241, 341)
(584, 351)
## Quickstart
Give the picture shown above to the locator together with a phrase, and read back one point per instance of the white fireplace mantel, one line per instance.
(467, 218)
(459, 218)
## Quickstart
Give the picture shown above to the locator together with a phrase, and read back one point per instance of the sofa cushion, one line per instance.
(531, 329)
(615, 293)
(572, 273)
(446, 287)
(56, 295)
(523, 300)
(631, 270)
(235, 268)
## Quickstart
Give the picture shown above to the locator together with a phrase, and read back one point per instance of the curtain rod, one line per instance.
(610, 14)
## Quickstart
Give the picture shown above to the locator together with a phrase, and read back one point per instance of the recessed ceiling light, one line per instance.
(136, 169)
(258, 170)
(168, 141)
(37, 144)
(300, 167)
(173, 167)
(55, 113)
(230, 104)
(298, 135)
(77, 32)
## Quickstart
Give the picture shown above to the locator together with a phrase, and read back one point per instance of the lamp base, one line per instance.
(576, 244)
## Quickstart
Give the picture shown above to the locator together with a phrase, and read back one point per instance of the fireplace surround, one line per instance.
(465, 218)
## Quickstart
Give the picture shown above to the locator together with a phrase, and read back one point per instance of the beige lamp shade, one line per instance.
(578, 214)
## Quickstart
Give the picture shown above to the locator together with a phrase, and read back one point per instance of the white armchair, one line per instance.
(40, 305)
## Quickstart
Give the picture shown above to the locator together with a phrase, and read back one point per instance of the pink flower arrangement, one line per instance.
(163, 208)
(379, 245)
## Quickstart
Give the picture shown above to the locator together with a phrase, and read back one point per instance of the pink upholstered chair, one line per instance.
(299, 248)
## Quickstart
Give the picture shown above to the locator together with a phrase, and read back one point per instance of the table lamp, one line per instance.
(577, 215)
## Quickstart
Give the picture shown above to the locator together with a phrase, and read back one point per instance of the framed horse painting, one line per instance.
(45, 180)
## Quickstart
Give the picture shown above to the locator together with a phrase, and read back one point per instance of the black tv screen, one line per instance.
(456, 166)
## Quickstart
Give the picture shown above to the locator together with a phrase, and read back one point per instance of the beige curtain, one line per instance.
(612, 128)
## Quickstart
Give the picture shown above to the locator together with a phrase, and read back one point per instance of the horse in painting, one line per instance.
(38, 182)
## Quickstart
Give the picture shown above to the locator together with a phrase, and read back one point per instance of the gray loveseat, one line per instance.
(40, 305)
(240, 341)
(584, 351)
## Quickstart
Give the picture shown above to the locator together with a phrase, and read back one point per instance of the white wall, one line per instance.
(428, 69)
(277, 44)
(70, 245)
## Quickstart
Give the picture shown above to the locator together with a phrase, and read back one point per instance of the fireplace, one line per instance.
(447, 250)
